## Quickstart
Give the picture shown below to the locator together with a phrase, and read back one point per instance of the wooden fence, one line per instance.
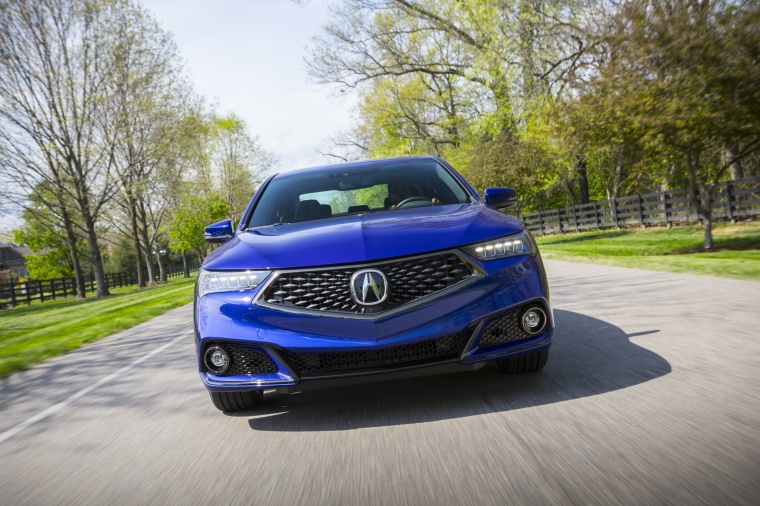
(15, 293)
(733, 199)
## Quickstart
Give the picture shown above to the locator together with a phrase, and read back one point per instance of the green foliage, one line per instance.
(52, 264)
(120, 256)
(51, 258)
(374, 197)
(191, 216)
(527, 163)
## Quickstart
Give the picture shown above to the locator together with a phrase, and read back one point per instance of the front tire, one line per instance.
(523, 364)
(236, 401)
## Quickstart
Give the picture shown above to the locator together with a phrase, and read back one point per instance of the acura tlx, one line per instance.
(370, 270)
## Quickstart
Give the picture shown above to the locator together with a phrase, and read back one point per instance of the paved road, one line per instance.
(651, 396)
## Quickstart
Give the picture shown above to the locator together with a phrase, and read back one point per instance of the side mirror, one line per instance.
(500, 198)
(219, 232)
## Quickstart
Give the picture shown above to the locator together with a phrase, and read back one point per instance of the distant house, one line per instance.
(12, 261)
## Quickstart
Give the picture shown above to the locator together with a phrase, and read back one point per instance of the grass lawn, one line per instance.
(736, 249)
(30, 334)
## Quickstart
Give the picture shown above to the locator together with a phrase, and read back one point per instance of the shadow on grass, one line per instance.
(50, 304)
(589, 357)
(581, 237)
(724, 243)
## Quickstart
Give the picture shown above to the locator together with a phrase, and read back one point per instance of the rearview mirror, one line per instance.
(501, 198)
(219, 232)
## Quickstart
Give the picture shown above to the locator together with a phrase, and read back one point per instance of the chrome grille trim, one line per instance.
(477, 273)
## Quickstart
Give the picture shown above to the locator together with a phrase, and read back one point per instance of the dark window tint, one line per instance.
(340, 191)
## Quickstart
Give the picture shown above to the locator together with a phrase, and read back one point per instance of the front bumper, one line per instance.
(307, 349)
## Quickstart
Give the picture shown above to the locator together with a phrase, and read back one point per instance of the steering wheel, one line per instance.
(420, 201)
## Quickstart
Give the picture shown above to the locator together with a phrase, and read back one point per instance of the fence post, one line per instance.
(575, 218)
(729, 211)
(92, 285)
(541, 222)
(13, 293)
(615, 212)
(596, 214)
(52, 288)
(641, 213)
(28, 293)
(559, 219)
(39, 287)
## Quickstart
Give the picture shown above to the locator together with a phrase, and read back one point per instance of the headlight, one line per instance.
(509, 246)
(228, 281)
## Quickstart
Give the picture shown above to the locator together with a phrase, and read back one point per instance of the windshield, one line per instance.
(340, 191)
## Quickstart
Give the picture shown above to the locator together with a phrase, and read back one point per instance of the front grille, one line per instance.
(431, 350)
(329, 290)
(505, 329)
(247, 361)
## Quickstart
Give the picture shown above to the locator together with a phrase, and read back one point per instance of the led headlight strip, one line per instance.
(229, 281)
(509, 246)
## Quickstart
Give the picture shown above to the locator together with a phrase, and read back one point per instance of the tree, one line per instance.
(238, 163)
(145, 89)
(191, 216)
(681, 83)
(54, 71)
(51, 258)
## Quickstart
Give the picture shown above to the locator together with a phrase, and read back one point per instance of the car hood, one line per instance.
(362, 238)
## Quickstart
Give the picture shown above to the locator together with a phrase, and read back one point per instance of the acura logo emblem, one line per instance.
(369, 287)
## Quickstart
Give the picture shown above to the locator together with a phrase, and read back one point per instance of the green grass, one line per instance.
(736, 251)
(31, 334)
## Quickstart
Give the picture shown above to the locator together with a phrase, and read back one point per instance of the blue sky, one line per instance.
(249, 57)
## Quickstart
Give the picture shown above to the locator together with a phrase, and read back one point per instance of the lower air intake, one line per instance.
(505, 329)
(247, 361)
(432, 350)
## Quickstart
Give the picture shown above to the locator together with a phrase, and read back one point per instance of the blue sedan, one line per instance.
(370, 270)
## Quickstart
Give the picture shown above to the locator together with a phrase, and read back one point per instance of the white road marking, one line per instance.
(54, 409)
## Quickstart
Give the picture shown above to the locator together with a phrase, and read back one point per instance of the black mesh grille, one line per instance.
(432, 350)
(505, 329)
(329, 290)
(247, 361)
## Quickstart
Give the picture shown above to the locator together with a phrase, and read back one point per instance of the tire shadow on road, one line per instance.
(589, 357)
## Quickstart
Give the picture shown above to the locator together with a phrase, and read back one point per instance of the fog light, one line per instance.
(217, 359)
(533, 320)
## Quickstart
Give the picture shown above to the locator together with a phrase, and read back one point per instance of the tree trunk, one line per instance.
(143, 225)
(161, 268)
(185, 265)
(136, 245)
(732, 155)
(92, 238)
(618, 181)
(71, 242)
(97, 259)
(703, 208)
(580, 169)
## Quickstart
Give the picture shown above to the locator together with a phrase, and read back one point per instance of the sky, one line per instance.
(248, 56)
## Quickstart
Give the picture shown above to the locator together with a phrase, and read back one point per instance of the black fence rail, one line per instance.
(16, 293)
(733, 199)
